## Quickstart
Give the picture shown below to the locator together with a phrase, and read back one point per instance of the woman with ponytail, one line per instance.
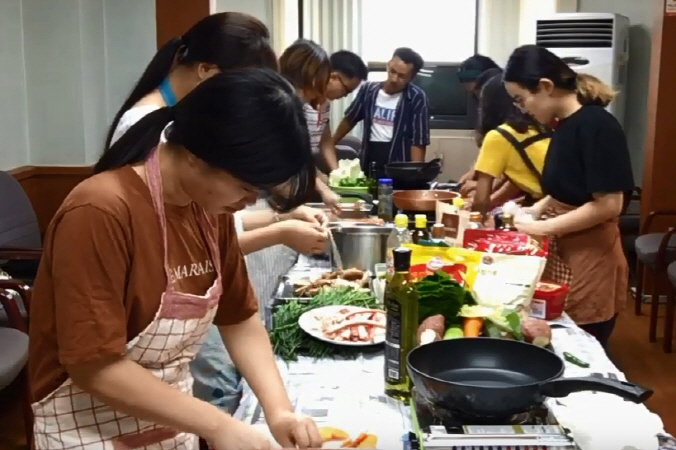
(586, 176)
(143, 257)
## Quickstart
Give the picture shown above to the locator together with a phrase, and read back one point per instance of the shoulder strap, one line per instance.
(521, 146)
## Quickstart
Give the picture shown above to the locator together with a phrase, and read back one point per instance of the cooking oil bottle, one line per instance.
(401, 305)
(399, 236)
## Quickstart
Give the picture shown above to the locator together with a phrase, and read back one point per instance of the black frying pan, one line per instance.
(414, 171)
(488, 377)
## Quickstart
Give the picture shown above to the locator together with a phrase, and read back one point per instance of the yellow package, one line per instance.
(460, 263)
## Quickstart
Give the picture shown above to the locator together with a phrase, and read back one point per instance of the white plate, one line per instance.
(310, 325)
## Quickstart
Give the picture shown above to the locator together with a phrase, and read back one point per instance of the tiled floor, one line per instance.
(642, 362)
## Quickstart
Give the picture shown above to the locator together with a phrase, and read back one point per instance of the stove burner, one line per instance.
(429, 414)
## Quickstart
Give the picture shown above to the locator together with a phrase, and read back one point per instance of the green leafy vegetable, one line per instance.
(353, 182)
(440, 294)
(289, 341)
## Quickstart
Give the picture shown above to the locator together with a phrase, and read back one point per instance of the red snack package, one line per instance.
(506, 242)
(549, 300)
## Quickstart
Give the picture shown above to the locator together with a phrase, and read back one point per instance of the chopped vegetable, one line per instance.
(348, 174)
(332, 434)
(575, 360)
(289, 340)
(440, 294)
(508, 322)
(536, 331)
(472, 326)
(454, 332)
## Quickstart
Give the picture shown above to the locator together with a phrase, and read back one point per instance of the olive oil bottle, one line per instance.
(401, 305)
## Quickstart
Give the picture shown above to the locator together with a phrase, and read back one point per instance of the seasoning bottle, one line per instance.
(438, 233)
(399, 236)
(385, 206)
(508, 223)
(476, 221)
(401, 307)
(420, 232)
(459, 203)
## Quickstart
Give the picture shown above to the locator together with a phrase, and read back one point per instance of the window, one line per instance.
(440, 30)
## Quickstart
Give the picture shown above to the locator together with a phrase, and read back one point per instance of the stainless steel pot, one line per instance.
(360, 246)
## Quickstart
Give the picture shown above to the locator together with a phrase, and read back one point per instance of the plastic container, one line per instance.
(385, 205)
(549, 300)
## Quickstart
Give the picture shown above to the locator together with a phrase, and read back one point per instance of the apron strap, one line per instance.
(521, 146)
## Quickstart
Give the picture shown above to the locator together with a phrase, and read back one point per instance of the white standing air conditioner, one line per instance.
(593, 43)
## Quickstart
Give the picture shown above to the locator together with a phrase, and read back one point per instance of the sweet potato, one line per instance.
(536, 331)
(436, 324)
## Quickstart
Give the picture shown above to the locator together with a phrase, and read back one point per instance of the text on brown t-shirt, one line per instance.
(102, 274)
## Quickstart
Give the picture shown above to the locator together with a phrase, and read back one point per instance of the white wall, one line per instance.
(64, 72)
(261, 9)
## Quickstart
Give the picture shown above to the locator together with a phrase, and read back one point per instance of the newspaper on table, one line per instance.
(344, 394)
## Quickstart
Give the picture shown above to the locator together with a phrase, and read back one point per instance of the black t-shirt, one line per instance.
(588, 155)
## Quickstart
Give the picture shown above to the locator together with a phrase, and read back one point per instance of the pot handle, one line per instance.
(561, 387)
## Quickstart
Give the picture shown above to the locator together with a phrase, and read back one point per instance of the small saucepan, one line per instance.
(497, 378)
(421, 200)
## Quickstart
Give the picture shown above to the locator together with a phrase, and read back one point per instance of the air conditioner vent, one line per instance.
(578, 33)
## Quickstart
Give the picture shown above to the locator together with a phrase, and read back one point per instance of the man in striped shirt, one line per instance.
(395, 115)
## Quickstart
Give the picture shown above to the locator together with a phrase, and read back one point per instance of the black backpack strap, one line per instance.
(521, 146)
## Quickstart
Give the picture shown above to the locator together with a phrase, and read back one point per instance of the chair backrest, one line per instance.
(345, 152)
(18, 222)
(352, 142)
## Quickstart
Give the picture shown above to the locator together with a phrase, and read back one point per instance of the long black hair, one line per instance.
(247, 122)
(228, 40)
(475, 65)
(496, 107)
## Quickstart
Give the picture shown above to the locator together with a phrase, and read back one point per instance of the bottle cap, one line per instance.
(420, 221)
(401, 221)
(402, 259)
(475, 215)
(458, 202)
(386, 181)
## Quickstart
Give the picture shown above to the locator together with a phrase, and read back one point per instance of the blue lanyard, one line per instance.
(167, 93)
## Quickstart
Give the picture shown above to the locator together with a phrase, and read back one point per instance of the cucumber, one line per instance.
(453, 333)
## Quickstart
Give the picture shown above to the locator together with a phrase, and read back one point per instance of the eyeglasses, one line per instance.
(347, 90)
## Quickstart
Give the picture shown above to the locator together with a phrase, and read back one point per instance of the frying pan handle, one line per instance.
(561, 387)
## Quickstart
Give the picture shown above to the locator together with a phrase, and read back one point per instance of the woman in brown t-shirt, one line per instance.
(142, 257)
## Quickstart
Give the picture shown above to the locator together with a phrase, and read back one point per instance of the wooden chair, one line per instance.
(654, 252)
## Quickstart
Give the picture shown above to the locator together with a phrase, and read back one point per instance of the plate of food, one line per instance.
(345, 325)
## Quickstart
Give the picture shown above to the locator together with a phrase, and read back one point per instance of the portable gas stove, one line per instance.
(438, 428)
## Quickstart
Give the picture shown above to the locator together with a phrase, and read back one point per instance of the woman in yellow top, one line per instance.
(513, 145)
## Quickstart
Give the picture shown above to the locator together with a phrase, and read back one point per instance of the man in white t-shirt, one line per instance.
(395, 115)
(348, 72)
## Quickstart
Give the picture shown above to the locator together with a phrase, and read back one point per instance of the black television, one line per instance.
(451, 106)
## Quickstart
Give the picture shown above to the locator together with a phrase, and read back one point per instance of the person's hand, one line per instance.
(303, 237)
(331, 200)
(292, 430)
(311, 215)
(526, 224)
(236, 435)
(467, 188)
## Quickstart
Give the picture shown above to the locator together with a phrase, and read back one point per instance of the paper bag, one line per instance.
(455, 222)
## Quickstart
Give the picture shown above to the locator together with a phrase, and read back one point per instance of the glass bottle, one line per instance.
(438, 233)
(476, 221)
(385, 205)
(508, 223)
(420, 232)
(401, 306)
(398, 237)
